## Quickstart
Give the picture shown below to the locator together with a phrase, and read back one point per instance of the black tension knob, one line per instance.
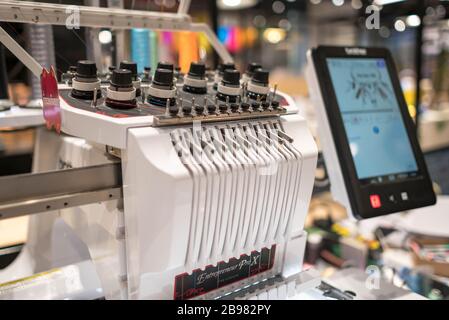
(223, 108)
(199, 109)
(163, 77)
(261, 76)
(86, 69)
(187, 110)
(222, 67)
(165, 65)
(231, 78)
(173, 110)
(245, 106)
(121, 78)
(129, 65)
(255, 106)
(252, 67)
(211, 108)
(197, 70)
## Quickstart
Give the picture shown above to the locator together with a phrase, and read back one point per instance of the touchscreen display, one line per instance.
(372, 119)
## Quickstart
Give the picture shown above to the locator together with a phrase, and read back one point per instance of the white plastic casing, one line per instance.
(155, 222)
(158, 193)
(326, 140)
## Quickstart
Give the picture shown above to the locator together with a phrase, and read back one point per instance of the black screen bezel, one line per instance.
(419, 187)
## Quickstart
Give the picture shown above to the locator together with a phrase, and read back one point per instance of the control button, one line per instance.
(121, 94)
(231, 78)
(253, 66)
(211, 109)
(392, 198)
(255, 106)
(234, 107)
(121, 78)
(275, 104)
(404, 196)
(261, 77)
(129, 65)
(226, 66)
(223, 108)
(199, 109)
(375, 201)
(173, 110)
(85, 82)
(245, 106)
(197, 69)
(163, 77)
(187, 110)
(86, 69)
(165, 65)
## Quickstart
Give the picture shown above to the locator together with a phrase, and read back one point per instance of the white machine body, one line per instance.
(190, 205)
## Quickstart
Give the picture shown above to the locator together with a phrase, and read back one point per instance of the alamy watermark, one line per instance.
(372, 20)
(73, 19)
(372, 282)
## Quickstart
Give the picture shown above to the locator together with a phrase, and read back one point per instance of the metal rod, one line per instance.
(3, 74)
(183, 7)
(66, 15)
(20, 53)
(40, 192)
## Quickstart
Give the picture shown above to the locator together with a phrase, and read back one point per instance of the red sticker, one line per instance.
(50, 99)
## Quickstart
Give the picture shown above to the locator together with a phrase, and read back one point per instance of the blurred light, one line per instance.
(278, 7)
(105, 36)
(413, 20)
(384, 2)
(291, 0)
(236, 4)
(338, 3)
(384, 32)
(315, 1)
(430, 11)
(274, 35)
(223, 34)
(285, 24)
(441, 11)
(259, 21)
(399, 25)
(232, 3)
(357, 4)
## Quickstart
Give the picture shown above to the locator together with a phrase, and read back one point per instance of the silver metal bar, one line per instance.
(40, 192)
(57, 14)
(20, 53)
(114, 18)
(184, 6)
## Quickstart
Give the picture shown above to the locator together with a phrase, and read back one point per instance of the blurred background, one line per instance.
(276, 34)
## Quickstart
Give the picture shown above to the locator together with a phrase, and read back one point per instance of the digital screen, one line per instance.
(372, 119)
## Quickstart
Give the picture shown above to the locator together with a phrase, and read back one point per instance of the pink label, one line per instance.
(50, 99)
